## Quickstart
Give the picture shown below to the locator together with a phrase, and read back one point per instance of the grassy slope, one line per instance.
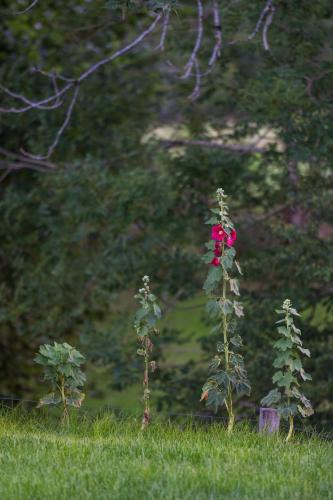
(109, 459)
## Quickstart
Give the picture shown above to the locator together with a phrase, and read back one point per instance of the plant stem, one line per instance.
(65, 415)
(291, 428)
(146, 413)
(229, 405)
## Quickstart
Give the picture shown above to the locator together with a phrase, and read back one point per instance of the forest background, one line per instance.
(129, 184)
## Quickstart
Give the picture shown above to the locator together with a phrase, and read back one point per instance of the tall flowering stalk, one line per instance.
(145, 321)
(227, 372)
(287, 398)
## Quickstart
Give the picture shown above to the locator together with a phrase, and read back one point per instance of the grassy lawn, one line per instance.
(106, 458)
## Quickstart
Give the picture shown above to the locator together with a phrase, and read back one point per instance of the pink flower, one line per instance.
(215, 262)
(232, 238)
(218, 249)
(218, 233)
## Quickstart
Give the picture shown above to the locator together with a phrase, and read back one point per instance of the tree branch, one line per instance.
(31, 6)
(236, 148)
(191, 62)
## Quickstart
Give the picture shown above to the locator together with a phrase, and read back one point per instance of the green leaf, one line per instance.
(212, 220)
(304, 375)
(283, 344)
(283, 330)
(213, 308)
(76, 399)
(239, 310)
(208, 257)
(215, 363)
(157, 310)
(239, 269)
(273, 397)
(226, 306)
(287, 411)
(49, 399)
(284, 380)
(141, 352)
(234, 286)
(294, 312)
(236, 341)
(304, 351)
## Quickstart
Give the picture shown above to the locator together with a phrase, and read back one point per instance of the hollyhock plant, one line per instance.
(287, 396)
(145, 321)
(232, 238)
(218, 250)
(218, 233)
(227, 373)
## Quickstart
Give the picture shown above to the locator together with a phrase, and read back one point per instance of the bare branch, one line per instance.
(218, 34)
(189, 65)
(196, 91)
(54, 99)
(165, 28)
(236, 148)
(120, 52)
(32, 104)
(59, 133)
(31, 6)
(263, 14)
(268, 22)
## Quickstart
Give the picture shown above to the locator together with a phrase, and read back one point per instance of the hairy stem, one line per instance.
(229, 405)
(291, 428)
(65, 414)
(146, 413)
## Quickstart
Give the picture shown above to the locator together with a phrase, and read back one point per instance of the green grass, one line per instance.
(106, 458)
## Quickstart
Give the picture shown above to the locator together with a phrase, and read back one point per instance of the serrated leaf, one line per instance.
(283, 344)
(283, 330)
(212, 220)
(234, 286)
(304, 351)
(304, 375)
(157, 310)
(49, 399)
(213, 308)
(215, 363)
(273, 397)
(208, 257)
(294, 312)
(226, 306)
(238, 308)
(236, 341)
(239, 269)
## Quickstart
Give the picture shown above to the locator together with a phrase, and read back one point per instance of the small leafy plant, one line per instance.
(62, 370)
(227, 371)
(145, 321)
(287, 398)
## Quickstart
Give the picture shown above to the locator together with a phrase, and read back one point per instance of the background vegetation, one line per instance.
(121, 199)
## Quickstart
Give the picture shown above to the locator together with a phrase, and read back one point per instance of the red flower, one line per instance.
(218, 249)
(232, 238)
(215, 262)
(218, 233)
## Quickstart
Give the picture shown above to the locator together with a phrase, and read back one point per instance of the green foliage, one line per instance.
(287, 397)
(145, 321)
(227, 371)
(74, 239)
(62, 371)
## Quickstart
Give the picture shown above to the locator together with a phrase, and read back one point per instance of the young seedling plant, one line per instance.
(287, 397)
(227, 372)
(145, 321)
(62, 370)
